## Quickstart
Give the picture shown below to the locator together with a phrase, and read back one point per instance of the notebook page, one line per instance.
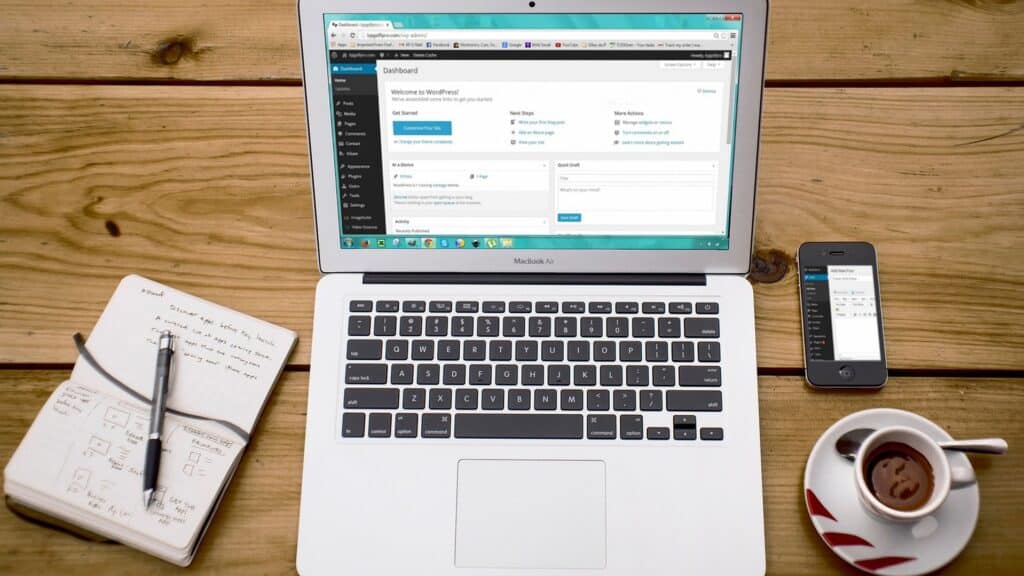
(86, 450)
(225, 362)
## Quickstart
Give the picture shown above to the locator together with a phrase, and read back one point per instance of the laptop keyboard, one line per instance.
(521, 369)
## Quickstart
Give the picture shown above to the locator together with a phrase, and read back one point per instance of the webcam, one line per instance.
(532, 4)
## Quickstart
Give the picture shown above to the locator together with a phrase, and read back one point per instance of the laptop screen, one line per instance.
(534, 131)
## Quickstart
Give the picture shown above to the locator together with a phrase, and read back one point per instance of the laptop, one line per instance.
(533, 343)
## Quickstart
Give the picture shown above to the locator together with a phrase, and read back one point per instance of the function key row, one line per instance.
(527, 307)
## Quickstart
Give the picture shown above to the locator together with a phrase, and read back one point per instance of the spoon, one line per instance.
(849, 444)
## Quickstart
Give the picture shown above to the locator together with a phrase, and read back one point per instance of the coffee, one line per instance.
(899, 476)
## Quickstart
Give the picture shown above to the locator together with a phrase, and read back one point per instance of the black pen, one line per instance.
(156, 416)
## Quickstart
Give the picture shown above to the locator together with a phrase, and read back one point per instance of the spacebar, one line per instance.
(528, 426)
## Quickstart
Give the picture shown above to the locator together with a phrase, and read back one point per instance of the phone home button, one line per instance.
(846, 373)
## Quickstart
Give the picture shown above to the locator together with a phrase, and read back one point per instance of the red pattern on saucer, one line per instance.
(834, 539)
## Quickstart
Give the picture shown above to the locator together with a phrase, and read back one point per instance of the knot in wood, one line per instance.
(769, 266)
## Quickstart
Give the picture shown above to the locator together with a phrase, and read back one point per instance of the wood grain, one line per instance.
(257, 41)
(206, 188)
(255, 530)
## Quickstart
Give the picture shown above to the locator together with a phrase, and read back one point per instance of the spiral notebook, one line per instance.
(81, 461)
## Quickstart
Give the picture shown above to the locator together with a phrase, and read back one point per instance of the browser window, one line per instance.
(538, 131)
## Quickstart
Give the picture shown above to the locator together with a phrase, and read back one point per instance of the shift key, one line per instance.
(693, 400)
(371, 398)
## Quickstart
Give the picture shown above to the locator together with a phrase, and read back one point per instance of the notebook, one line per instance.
(81, 461)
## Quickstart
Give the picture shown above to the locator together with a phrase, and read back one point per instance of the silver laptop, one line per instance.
(533, 344)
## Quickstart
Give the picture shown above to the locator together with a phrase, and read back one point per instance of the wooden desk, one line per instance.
(167, 139)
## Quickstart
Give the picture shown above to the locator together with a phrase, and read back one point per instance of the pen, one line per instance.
(156, 416)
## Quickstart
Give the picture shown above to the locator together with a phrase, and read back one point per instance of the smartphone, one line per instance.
(842, 315)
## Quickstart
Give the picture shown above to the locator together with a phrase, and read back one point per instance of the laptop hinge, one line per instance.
(521, 278)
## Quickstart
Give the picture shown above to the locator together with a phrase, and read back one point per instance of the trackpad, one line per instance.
(530, 514)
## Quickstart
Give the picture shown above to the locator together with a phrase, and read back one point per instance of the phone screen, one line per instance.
(841, 313)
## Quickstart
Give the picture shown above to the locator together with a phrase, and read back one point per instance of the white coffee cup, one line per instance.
(945, 477)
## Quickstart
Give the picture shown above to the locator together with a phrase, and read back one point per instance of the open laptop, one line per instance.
(533, 344)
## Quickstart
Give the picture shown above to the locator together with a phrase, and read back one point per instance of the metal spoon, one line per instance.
(849, 444)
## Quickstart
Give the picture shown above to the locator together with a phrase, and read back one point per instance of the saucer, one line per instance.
(870, 543)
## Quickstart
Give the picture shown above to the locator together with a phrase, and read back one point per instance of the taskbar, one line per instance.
(615, 242)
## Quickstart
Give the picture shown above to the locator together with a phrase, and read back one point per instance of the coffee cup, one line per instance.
(903, 474)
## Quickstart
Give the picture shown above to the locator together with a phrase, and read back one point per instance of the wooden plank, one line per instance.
(206, 188)
(257, 41)
(255, 529)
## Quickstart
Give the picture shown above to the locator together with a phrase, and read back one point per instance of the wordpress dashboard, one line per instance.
(533, 137)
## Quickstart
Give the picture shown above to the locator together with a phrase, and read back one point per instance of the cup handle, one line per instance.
(961, 477)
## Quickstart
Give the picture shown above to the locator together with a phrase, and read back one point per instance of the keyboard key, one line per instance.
(436, 426)
(657, 433)
(526, 350)
(397, 350)
(682, 352)
(371, 398)
(520, 307)
(454, 374)
(547, 307)
(360, 306)
(656, 351)
(487, 326)
(406, 425)
(385, 326)
(462, 326)
(630, 351)
(428, 374)
(650, 400)
(467, 307)
(668, 327)
(565, 327)
(500, 350)
(519, 426)
(447, 349)
(506, 375)
(466, 399)
(610, 375)
(693, 400)
(600, 308)
(442, 306)
(578, 351)
(663, 376)
(653, 307)
(552, 351)
(533, 375)
(643, 327)
(436, 326)
(638, 375)
(494, 307)
(598, 400)
(558, 375)
(601, 427)
(474, 350)
(513, 326)
(414, 306)
(631, 427)
(366, 373)
(712, 434)
(358, 325)
(700, 375)
(572, 399)
(493, 399)
(585, 375)
(701, 327)
(684, 427)
(441, 399)
(480, 374)
(709, 352)
(544, 399)
(624, 400)
(591, 327)
(680, 308)
(364, 349)
(410, 326)
(626, 307)
(540, 326)
(413, 399)
(387, 306)
(617, 327)
(707, 307)
(353, 425)
(604, 351)
(422, 349)
(518, 399)
(573, 308)
(401, 373)
(380, 425)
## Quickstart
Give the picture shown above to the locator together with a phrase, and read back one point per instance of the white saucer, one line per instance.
(870, 543)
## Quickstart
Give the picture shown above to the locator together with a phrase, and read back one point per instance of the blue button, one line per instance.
(353, 69)
(816, 277)
(422, 127)
(570, 217)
